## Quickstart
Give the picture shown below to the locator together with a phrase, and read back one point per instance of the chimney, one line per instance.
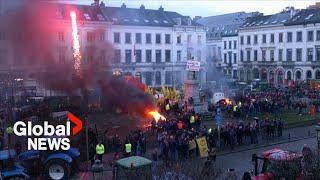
(102, 4)
(161, 9)
(142, 7)
(123, 5)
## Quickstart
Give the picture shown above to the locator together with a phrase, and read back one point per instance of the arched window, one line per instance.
(271, 77)
(264, 75)
(280, 77)
(241, 75)
(317, 74)
(256, 74)
(248, 75)
(309, 75)
(298, 75)
(289, 75)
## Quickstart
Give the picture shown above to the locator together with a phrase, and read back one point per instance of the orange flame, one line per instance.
(156, 115)
(76, 42)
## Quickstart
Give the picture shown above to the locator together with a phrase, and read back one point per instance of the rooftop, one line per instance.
(305, 16)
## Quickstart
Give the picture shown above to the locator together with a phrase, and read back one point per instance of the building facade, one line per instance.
(280, 49)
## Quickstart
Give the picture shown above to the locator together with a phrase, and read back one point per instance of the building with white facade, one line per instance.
(282, 48)
(152, 44)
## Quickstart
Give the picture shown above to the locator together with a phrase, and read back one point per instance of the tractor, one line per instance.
(277, 164)
(51, 164)
(9, 168)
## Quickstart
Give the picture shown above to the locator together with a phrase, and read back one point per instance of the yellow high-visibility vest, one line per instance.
(128, 148)
(167, 107)
(9, 130)
(235, 108)
(100, 149)
(192, 120)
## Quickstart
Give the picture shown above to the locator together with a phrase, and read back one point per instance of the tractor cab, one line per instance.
(9, 168)
(276, 164)
(134, 167)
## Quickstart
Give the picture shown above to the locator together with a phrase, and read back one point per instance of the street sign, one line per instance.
(193, 65)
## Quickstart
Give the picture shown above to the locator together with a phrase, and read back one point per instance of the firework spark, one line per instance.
(76, 43)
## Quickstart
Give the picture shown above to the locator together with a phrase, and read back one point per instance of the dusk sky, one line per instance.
(208, 8)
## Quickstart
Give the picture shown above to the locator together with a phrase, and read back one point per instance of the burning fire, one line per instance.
(76, 42)
(228, 101)
(156, 115)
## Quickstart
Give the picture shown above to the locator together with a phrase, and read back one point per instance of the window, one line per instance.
(289, 36)
(299, 54)
(280, 54)
(230, 44)
(280, 37)
(241, 55)
(90, 36)
(62, 58)
(248, 55)
(158, 56)
(167, 38)
(149, 78)
(138, 38)
(128, 56)
(255, 55)
(189, 38)
(255, 39)
(199, 39)
(158, 38)
(310, 35)
(234, 44)
(241, 40)
(271, 55)
(234, 58)
(235, 72)
(117, 56)
(264, 53)
(168, 77)
(116, 37)
(178, 56)
(318, 53)
(230, 58)
(148, 38)
(60, 36)
(167, 55)
(189, 53)
(102, 36)
(299, 36)
(102, 57)
(289, 54)
(198, 55)
(3, 56)
(225, 45)
(179, 39)
(272, 38)
(128, 38)
(248, 40)
(264, 38)
(148, 55)
(310, 54)
(138, 56)
(158, 78)
(225, 58)
(318, 35)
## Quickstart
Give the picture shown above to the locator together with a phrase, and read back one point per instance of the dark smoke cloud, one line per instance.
(32, 38)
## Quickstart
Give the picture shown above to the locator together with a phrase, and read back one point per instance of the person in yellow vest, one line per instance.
(127, 149)
(100, 150)
(192, 120)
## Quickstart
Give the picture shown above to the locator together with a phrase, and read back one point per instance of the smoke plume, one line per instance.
(32, 39)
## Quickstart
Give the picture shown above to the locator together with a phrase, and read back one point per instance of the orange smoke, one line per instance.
(156, 115)
(76, 43)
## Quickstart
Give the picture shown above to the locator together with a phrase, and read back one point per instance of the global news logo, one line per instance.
(47, 136)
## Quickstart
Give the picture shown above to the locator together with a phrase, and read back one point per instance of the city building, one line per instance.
(153, 45)
(280, 49)
(222, 40)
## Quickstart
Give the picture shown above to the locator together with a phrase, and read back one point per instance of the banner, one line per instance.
(193, 65)
(192, 144)
(202, 145)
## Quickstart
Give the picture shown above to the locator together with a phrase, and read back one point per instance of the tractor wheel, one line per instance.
(57, 169)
